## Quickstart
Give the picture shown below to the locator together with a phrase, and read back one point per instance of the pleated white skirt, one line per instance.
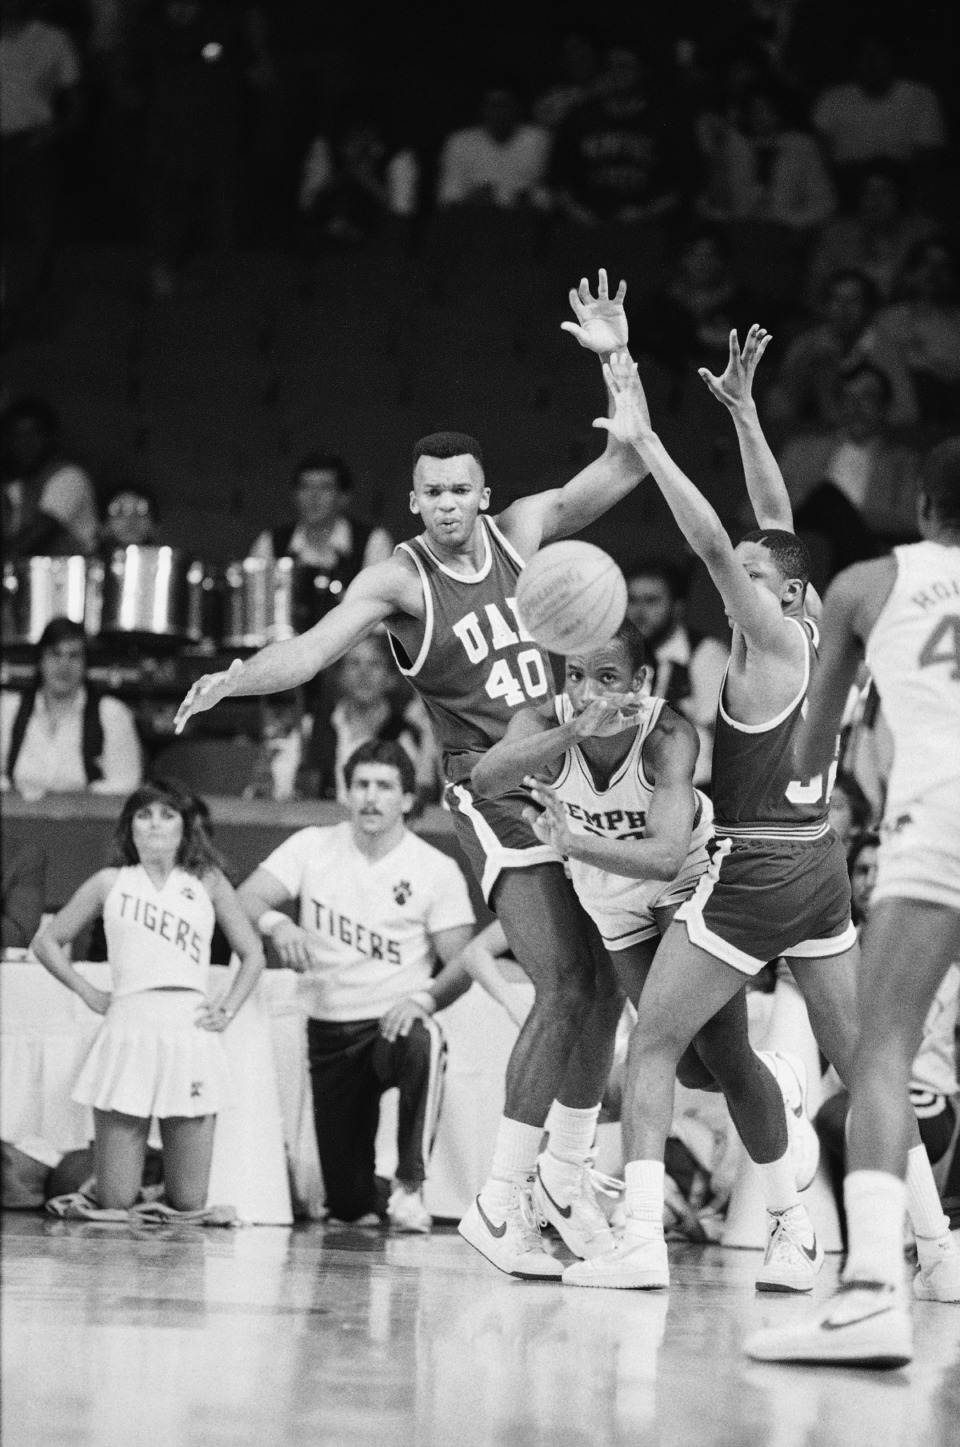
(151, 1059)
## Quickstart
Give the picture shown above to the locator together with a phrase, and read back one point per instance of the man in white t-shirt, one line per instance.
(49, 505)
(377, 906)
(499, 162)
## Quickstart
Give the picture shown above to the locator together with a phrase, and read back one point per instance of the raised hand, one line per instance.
(601, 324)
(608, 713)
(735, 388)
(551, 826)
(206, 692)
(630, 422)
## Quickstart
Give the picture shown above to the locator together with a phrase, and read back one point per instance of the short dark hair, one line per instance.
(60, 630)
(324, 462)
(447, 444)
(940, 479)
(135, 489)
(674, 576)
(861, 810)
(383, 751)
(867, 369)
(196, 854)
(787, 550)
(867, 840)
(632, 639)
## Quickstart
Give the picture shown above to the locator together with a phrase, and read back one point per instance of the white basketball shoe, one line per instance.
(568, 1198)
(637, 1261)
(790, 1073)
(939, 1276)
(508, 1235)
(864, 1325)
(794, 1256)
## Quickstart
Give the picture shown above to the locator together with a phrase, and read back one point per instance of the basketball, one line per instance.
(572, 597)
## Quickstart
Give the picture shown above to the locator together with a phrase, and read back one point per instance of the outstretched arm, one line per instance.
(601, 328)
(757, 613)
(534, 742)
(374, 595)
(765, 485)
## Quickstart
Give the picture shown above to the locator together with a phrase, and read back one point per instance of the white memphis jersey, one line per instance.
(913, 653)
(371, 921)
(617, 812)
(158, 938)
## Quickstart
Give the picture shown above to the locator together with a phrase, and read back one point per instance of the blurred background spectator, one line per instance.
(688, 666)
(874, 238)
(850, 810)
(500, 162)
(48, 503)
(325, 533)
(350, 186)
(23, 879)
(64, 736)
(577, 81)
(39, 103)
(131, 515)
(924, 326)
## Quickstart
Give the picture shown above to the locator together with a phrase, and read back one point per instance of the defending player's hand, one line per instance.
(630, 422)
(206, 692)
(551, 826)
(401, 1018)
(601, 324)
(735, 388)
(606, 714)
(295, 947)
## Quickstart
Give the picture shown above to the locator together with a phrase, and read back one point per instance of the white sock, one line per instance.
(644, 1197)
(572, 1131)
(923, 1201)
(516, 1150)
(876, 1203)
(778, 1181)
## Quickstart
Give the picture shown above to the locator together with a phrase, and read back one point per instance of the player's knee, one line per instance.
(186, 1197)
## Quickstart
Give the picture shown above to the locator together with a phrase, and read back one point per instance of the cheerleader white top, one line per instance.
(158, 938)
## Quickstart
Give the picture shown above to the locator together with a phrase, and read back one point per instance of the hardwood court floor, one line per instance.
(317, 1336)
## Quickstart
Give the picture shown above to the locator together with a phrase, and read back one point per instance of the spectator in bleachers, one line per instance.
(370, 704)
(854, 487)
(765, 168)
(284, 730)
(850, 810)
(925, 327)
(611, 160)
(39, 102)
(578, 82)
(499, 162)
(349, 187)
(689, 320)
(131, 515)
(23, 879)
(689, 666)
(325, 533)
(874, 238)
(63, 735)
(806, 389)
(879, 112)
(49, 505)
(197, 59)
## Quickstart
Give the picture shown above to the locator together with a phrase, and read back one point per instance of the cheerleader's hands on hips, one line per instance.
(96, 1000)
(551, 826)
(214, 1015)
(630, 422)
(206, 692)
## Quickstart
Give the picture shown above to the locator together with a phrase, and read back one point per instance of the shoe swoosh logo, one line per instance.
(810, 1252)
(565, 1211)
(497, 1231)
(855, 1321)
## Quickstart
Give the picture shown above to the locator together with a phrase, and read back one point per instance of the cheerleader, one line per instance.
(157, 1052)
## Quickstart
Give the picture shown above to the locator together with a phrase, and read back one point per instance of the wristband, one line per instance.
(269, 920)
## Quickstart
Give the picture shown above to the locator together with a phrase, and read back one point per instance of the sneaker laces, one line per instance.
(785, 1238)
(530, 1216)
(600, 1183)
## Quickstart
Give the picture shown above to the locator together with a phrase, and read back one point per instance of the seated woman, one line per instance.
(369, 706)
(156, 1053)
(63, 736)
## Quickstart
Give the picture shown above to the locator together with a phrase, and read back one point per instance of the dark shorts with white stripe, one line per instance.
(762, 898)
(351, 1065)
(494, 835)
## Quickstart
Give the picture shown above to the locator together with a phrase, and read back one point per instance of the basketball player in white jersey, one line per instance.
(612, 769)
(903, 613)
(156, 1054)
(448, 600)
(377, 906)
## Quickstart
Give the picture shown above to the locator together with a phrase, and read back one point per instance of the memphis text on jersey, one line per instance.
(163, 922)
(609, 821)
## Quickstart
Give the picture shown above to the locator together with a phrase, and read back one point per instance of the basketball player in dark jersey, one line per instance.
(448, 601)
(777, 885)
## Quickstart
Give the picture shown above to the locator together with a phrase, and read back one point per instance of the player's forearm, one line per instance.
(695, 516)
(51, 954)
(280, 666)
(453, 981)
(765, 485)
(507, 763)
(658, 858)
(597, 489)
(252, 963)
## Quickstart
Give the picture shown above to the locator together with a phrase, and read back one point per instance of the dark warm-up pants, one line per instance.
(351, 1065)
